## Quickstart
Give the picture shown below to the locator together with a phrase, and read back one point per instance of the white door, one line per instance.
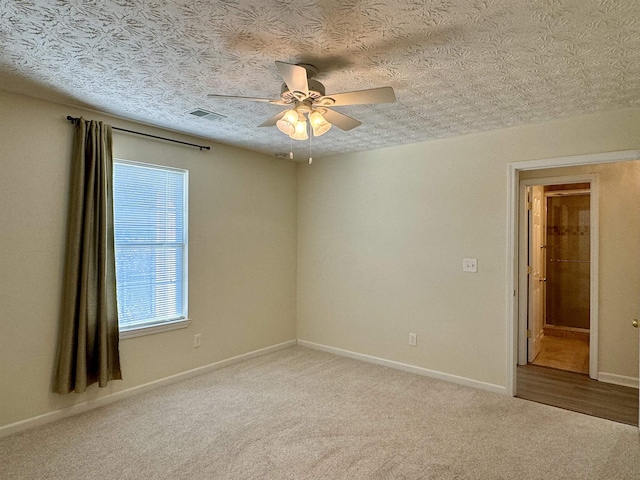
(536, 277)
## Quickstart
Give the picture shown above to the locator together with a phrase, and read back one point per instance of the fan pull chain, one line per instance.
(291, 148)
(310, 135)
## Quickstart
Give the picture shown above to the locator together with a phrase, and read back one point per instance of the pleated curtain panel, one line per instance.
(88, 343)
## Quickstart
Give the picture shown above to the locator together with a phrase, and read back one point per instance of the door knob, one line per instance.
(635, 324)
(542, 279)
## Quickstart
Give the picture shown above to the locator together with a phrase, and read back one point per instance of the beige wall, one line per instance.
(619, 261)
(242, 262)
(379, 236)
(382, 235)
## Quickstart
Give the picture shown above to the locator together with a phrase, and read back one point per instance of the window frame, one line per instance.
(184, 321)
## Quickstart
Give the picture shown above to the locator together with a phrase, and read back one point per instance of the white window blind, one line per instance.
(150, 243)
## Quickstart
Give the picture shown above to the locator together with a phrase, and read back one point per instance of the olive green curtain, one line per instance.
(88, 343)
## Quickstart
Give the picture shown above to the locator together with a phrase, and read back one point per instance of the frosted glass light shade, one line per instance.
(301, 130)
(287, 124)
(318, 123)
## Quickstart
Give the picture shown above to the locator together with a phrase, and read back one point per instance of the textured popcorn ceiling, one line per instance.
(457, 66)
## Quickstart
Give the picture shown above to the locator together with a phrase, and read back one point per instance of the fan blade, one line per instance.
(272, 121)
(360, 97)
(295, 77)
(339, 120)
(254, 99)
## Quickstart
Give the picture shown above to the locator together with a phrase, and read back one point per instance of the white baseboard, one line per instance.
(618, 379)
(407, 368)
(129, 392)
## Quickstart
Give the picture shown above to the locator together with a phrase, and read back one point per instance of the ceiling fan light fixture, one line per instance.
(318, 123)
(287, 124)
(301, 129)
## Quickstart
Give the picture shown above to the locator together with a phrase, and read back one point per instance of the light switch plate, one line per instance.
(470, 265)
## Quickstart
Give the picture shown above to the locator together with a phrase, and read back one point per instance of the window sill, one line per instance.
(151, 329)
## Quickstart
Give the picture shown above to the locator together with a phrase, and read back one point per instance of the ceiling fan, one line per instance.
(307, 100)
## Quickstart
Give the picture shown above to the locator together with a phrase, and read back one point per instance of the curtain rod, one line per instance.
(73, 119)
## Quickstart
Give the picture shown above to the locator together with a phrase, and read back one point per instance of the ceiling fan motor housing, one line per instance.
(316, 90)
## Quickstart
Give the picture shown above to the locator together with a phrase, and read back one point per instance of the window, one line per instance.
(150, 217)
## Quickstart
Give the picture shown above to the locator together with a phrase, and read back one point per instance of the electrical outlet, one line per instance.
(197, 340)
(470, 265)
(413, 339)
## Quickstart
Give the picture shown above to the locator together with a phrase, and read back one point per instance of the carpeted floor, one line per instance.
(304, 414)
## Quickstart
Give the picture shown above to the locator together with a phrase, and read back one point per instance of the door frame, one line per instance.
(513, 218)
(523, 260)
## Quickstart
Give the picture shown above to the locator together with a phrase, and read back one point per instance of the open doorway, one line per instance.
(614, 189)
(559, 264)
